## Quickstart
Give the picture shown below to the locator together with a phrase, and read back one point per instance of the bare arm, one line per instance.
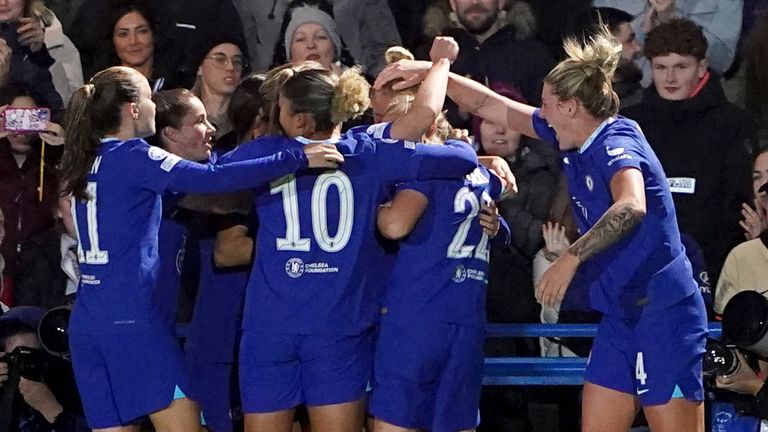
(430, 97)
(483, 102)
(620, 219)
(397, 219)
(233, 247)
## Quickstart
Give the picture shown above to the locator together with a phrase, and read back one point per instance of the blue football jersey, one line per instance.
(648, 268)
(441, 271)
(317, 235)
(117, 227)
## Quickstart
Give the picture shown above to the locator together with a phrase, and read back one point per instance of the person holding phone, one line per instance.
(29, 59)
(27, 201)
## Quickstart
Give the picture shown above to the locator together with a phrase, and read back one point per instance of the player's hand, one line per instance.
(500, 167)
(3, 370)
(54, 134)
(744, 380)
(555, 281)
(754, 222)
(555, 240)
(31, 33)
(412, 72)
(489, 219)
(323, 156)
(460, 135)
(444, 47)
(39, 396)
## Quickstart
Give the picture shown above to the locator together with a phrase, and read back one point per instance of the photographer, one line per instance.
(50, 403)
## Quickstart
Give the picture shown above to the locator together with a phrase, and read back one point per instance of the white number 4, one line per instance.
(640, 374)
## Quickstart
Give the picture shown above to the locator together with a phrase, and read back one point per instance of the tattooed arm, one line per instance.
(473, 97)
(628, 209)
(622, 217)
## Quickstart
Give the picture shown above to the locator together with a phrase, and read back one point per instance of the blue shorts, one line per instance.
(281, 371)
(211, 387)
(427, 375)
(653, 355)
(123, 377)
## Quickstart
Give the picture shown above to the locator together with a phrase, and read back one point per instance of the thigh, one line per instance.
(604, 409)
(335, 369)
(279, 421)
(342, 417)
(182, 415)
(677, 415)
(270, 375)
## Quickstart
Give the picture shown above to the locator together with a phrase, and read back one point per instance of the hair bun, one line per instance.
(351, 98)
(395, 53)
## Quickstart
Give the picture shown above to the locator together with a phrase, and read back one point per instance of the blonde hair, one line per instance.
(587, 72)
(328, 98)
(271, 86)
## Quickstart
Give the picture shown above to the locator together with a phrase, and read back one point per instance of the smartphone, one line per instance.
(26, 120)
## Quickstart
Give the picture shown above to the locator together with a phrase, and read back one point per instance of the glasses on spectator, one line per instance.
(220, 60)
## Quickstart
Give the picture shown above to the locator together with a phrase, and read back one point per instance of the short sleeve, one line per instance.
(617, 154)
(423, 187)
(542, 129)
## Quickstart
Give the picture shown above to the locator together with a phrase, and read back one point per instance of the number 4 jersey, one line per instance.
(441, 271)
(316, 241)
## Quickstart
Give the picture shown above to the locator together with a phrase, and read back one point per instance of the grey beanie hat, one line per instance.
(306, 14)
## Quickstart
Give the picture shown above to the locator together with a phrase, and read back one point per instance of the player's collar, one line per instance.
(108, 139)
(594, 135)
(305, 141)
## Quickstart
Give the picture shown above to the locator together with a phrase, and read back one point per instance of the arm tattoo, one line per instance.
(617, 222)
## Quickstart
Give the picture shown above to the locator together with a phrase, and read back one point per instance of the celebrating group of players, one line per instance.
(331, 320)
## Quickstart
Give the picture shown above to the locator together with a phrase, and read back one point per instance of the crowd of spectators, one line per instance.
(693, 74)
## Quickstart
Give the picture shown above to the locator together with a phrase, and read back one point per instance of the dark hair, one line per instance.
(94, 111)
(117, 10)
(611, 17)
(171, 107)
(246, 105)
(17, 89)
(329, 99)
(677, 36)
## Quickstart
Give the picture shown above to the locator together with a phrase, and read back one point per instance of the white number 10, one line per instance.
(94, 255)
(293, 240)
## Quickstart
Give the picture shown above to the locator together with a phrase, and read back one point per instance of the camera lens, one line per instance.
(52, 331)
(745, 322)
(719, 359)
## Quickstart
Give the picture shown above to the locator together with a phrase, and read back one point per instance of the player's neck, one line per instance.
(586, 129)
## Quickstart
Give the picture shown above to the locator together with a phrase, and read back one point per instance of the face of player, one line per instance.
(760, 172)
(380, 101)
(477, 16)
(145, 111)
(289, 121)
(133, 40)
(22, 143)
(676, 76)
(192, 140)
(498, 140)
(553, 110)
(11, 10)
(311, 42)
(221, 69)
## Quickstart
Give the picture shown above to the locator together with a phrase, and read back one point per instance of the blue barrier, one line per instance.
(544, 370)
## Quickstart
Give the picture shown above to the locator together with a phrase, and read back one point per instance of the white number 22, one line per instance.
(457, 248)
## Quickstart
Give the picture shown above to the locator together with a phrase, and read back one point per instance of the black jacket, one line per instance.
(704, 138)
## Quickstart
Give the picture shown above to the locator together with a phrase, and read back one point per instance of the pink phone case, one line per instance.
(26, 120)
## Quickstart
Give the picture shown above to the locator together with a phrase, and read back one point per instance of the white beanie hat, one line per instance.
(306, 14)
